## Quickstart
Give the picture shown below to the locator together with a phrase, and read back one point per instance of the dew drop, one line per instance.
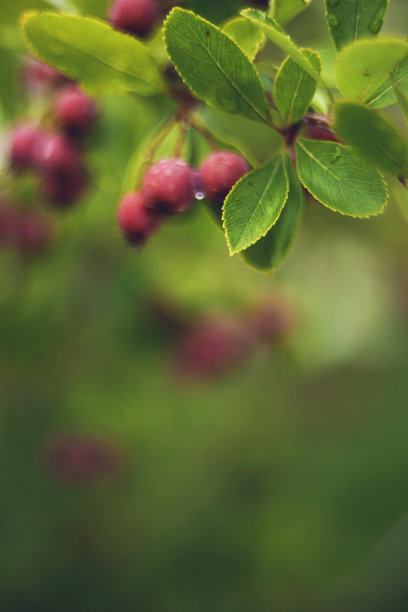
(199, 195)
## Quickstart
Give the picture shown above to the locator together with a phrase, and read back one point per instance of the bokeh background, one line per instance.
(278, 484)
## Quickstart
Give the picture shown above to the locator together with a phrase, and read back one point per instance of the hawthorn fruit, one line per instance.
(136, 17)
(169, 186)
(75, 112)
(136, 220)
(219, 173)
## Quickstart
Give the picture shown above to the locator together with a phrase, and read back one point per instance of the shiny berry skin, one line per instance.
(25, 142)
(75, 112)
(219, 173)
(169, 186)
(55, 153)
(136, 221)
(136, 17)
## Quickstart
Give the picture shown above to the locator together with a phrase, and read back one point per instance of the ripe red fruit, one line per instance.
(55, 153)
(136, 17)
(37, 76)
(136, 221)
(219, 173)
(169, 186)
(25, 141)
(66, 187)
(75, 112)
(211, 348)
(81, 459)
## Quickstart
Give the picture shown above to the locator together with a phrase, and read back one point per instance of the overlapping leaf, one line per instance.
(271, 250)
(364, 67)
(372, 137)
(91, 52)
(247, 36)
(350, 20)
(339, 179)
(214, 66)
(254, 205)
(278, 36)
(294, 88)
(284, 10)
(386, 94)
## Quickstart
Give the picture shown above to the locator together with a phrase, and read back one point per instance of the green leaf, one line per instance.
(285, 10)
(213, 66)
(365, 66)
(91, 52)
(254, 205)
(386, 94)
(402, 101)
(271, 250)
(372, 137)
(350, 20)
(278, 36)
(249, 38)
(339, 179)
(294, 88)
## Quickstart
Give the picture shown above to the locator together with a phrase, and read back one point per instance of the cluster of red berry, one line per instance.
(51, 150)
(170, 187)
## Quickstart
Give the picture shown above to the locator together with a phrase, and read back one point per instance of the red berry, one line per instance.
(316, 133)
(220, 172)
(136, 17)
(81, 459)
(136, 221)
(39, 77)
(75, 112)
(169, 186)
(65, 188)
(24, 144)
(55, 153)
(211, 348)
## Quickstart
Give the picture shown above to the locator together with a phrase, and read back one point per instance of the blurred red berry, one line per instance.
(169, 186)
(33, 233)
(75, 112)
(136, 221)
(37, 76)
(24, 145)
(136, 17)
(81, 459)
(219, 173)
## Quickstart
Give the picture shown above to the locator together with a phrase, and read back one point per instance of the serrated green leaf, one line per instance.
(278, 36)
(102, 59)
(350, 20)
(285, 10)
(402, 101)
(254, 205)
(372, 137)
(339, 179)
(294, 88)
(213, 66)
(365, 66)
(247, 36)
(386, 94)
(271, 250)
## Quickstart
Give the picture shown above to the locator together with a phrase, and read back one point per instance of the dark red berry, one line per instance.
(137, 17)
(37, 76)
(75, 112)
(211, 348)
(316, 133)
(65, 187)
(136, 221)
(219, 173)
(55, 153)
(25, 142)
(81, 459)
(169, 186)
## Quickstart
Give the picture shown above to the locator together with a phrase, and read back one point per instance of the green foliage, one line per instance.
(365, 67)
(294, 88)
(386, 93)
(271, 250)
(278, 36)
(350, 20)
(339, 180)
(226, 79)
(254, 205)
(247, 36)
(284, 10)
(91, 52)
(372, 137)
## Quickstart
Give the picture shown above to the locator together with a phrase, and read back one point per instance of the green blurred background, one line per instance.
(278, 486)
